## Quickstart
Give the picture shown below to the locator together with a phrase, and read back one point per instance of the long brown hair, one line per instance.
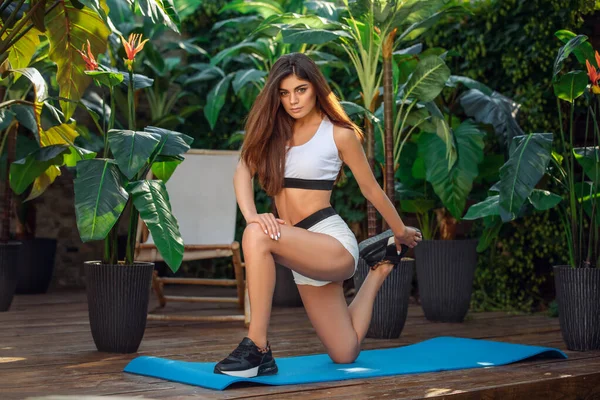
(269, 127)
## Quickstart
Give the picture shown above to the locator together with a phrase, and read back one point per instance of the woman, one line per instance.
(297, 138)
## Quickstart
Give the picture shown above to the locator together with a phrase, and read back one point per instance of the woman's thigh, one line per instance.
(315, 255)
(328, 312)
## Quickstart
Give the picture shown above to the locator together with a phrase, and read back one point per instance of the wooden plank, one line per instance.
(46, 343)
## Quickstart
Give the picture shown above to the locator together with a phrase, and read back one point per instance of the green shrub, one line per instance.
(511, 48)
(515, 275)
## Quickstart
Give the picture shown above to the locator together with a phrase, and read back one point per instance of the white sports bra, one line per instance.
(314, 164)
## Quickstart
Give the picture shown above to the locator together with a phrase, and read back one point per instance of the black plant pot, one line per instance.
(9, 265)
(391, 304)
(578, 298)
(445, 270)
(118, 304)
(286, 292)
(36, 266)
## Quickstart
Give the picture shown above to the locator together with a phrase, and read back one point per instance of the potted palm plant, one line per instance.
(437, 187)
(114, 186)
(569, 166)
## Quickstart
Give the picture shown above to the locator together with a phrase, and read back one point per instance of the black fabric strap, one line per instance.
(316, 184)
(316, 217)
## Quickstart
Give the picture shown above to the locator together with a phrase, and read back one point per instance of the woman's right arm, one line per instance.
(244, 193)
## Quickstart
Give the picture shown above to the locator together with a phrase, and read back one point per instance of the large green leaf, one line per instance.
(151, 199)
(77, 154)
(42, 182)
(417, 28)
(494, 109)
(206, 72)
(163, 170)
(589, 159)
(160, 12)
(570, 85)
(132, 149)
(238, 22)
(6, 117)
(175, 143)
(21, 52)
(61, 134)
(107, 78)
(428, 79)
(245, 76)
(311, 35)
(24, 171)
(216, 100)
(243, 47)
(544, 200)
(566, 50)
(453, 185)
(529, 157)
(139, 81)
(583, 52)
(68, 29)
(486, 208)
(265, 8)
(469, 83)
(99, 197)
(185, 8)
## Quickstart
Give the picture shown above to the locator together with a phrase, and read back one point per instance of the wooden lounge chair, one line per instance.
(203, 201)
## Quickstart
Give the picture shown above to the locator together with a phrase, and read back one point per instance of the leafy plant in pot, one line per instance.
(437, 189)
(573, 174)
(110, 187)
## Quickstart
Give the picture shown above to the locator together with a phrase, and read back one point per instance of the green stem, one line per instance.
(133, 213)
(571, 161)
(131, 101)
(580, 204)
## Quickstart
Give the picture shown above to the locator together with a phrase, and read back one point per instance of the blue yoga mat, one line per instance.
(438, 354)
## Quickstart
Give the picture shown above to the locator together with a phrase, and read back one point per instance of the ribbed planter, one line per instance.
(9, 265)
(36, 266)
(118, 304)
(391, 304)
(445, 270)
(578, 298)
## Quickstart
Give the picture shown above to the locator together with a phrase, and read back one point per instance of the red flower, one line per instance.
(132, 48)
(593, 75)
(90, 61)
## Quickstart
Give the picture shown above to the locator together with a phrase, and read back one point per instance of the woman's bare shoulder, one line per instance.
(343, 136)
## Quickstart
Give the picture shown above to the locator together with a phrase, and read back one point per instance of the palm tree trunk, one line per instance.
(371, 211)
(388, 116)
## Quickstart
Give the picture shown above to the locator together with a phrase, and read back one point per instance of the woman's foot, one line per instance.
(248, 361)
(392, 256)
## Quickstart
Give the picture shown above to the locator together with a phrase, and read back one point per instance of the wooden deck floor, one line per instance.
(46, 348)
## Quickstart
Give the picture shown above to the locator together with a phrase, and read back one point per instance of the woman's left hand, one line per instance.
(409, 237)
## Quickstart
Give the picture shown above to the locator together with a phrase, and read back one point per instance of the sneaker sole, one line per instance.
(269, 368)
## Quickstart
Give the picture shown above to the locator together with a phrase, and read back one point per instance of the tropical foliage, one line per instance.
(572, 169)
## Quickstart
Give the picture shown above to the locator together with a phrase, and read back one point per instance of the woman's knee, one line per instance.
(254, 236)
(344, 356)
(345, 353)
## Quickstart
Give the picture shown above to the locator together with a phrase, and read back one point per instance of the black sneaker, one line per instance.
(247, 361)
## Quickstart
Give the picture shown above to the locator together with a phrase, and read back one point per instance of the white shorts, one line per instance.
(335, 226)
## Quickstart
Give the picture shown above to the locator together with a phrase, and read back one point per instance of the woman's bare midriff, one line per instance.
(293, 205)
